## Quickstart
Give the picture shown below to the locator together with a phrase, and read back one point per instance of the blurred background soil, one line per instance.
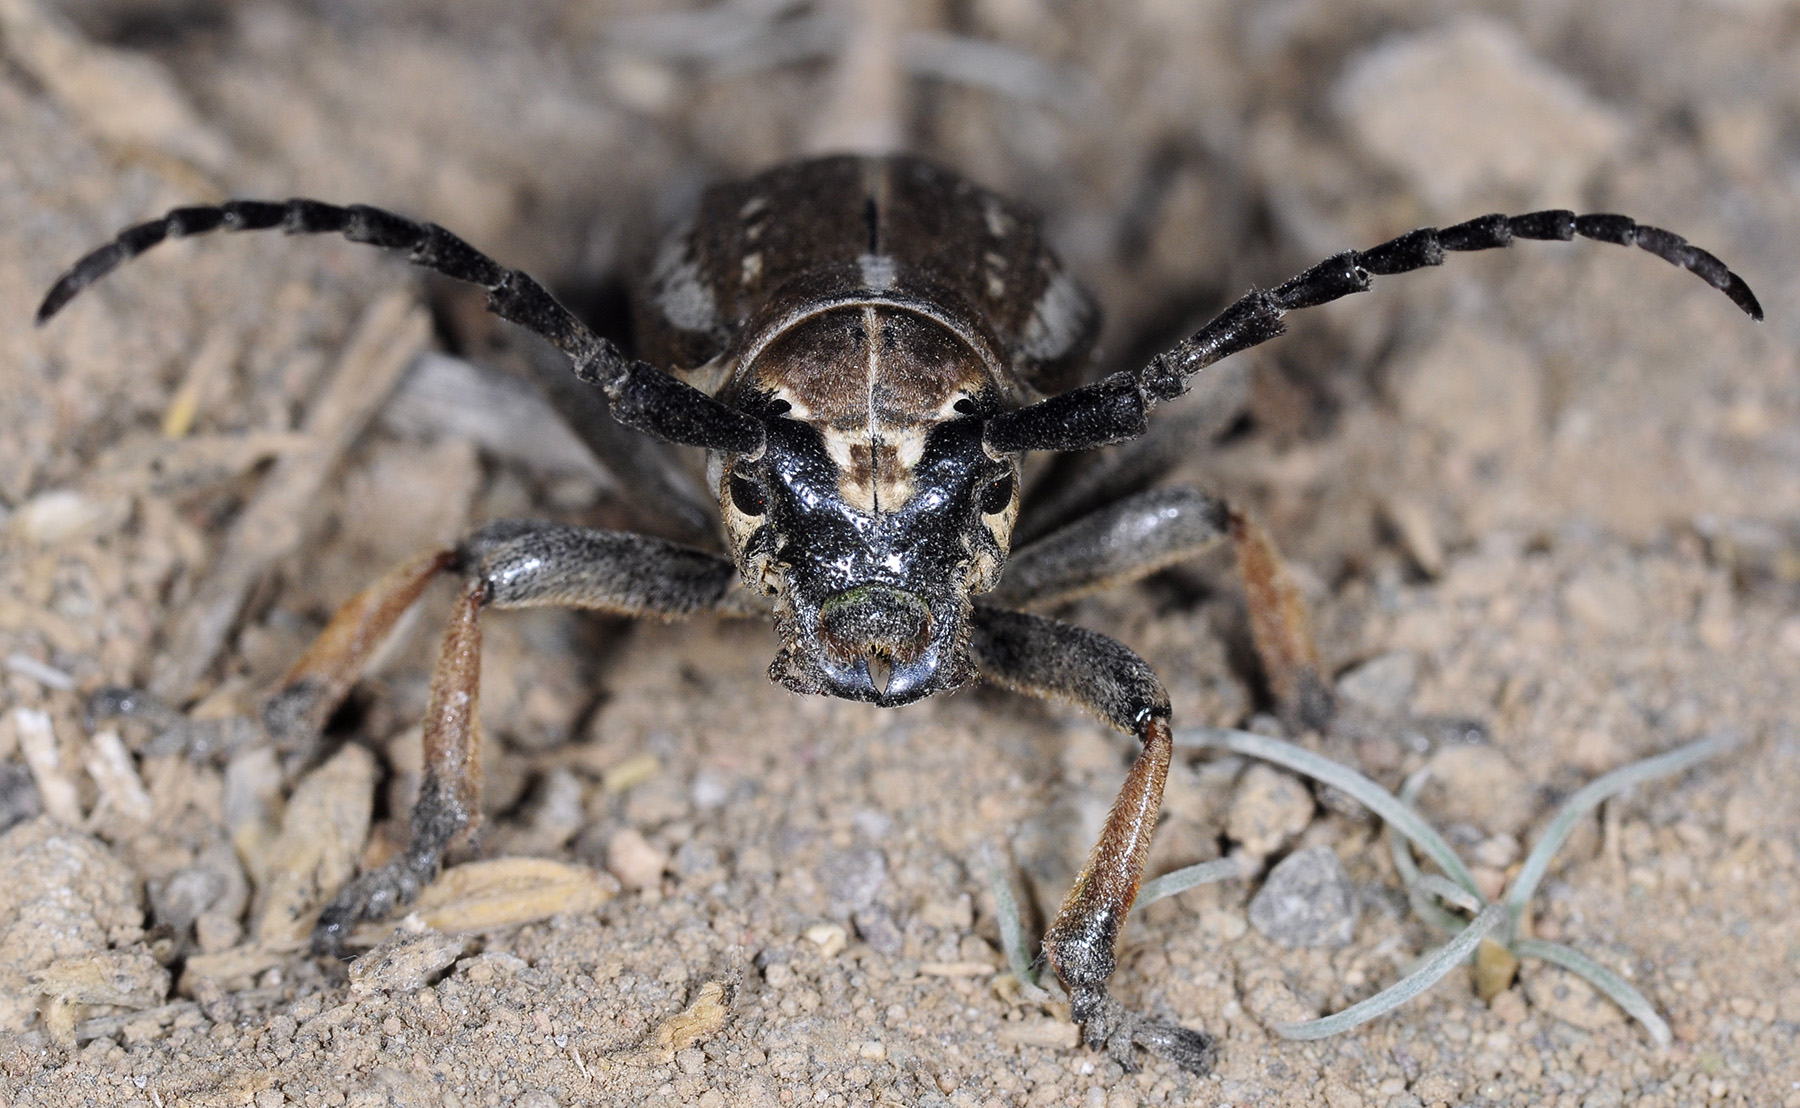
(1546, 503)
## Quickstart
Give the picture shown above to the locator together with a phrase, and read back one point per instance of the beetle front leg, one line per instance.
(1082, 942)
(514, 564)
(1048, 658)
(449, 796)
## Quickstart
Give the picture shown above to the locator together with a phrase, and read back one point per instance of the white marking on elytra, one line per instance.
(998, 222)
(877, 272)
(681, 294)
(752, 266)
(1056, 320)
(996, 275)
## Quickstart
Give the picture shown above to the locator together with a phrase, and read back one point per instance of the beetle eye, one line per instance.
(997, 496)
(747, 495)
(966, 406)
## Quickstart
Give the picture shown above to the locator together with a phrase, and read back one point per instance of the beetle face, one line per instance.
(872, 516)
(862, 591)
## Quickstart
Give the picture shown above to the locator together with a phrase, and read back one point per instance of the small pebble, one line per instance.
(631, 858)
(60, 515)
(403, 963)
(1510, 1007)
(18, 795)
(1437, 1088)
(1307, 901)
(1340, 1095)
(875, 924)
(1383, 684)
(709, 790)
(828, 937)
(1273, 1003)
(1490, 881)
(1478, 785)
(1499, 851)
(1270, 808)
(1223, 924)
(129, 978)
(852, 877)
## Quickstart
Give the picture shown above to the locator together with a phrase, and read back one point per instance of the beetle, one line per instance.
(866, 348)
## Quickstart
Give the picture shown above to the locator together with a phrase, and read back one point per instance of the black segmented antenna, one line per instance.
(641, 395)
(1118, 407)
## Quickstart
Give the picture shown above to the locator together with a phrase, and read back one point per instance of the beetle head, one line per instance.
(872, 534)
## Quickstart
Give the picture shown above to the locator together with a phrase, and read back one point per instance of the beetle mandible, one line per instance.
(866, 348)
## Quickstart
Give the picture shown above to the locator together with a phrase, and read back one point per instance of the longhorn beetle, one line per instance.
(866, 349)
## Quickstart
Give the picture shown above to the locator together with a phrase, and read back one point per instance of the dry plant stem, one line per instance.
(122, 97)
(43, 756)
(1429, 973)
(388, 337)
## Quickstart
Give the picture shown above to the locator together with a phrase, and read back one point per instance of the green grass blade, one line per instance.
(1408, 869)
(1589, 797)
(1366, 792)
(1181, 880)
(1429, 973)
(1448, 891)
(1621, 991)
(1012, 924)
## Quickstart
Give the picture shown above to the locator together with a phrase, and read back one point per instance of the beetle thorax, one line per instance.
(873, 380)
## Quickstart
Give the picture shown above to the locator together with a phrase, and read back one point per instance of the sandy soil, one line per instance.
(1549, 498)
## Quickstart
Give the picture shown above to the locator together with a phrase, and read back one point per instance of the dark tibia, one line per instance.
(1114, 545)
(1046, 658)
(642, 396)
(512, 564)
(1109, 410)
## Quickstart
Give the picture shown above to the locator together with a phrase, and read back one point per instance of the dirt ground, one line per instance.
(1546, 503)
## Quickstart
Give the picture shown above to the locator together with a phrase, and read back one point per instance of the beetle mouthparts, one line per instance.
(875, 620)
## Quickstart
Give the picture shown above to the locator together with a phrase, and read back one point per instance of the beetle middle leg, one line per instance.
(1141, 534)
(1047, 658)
